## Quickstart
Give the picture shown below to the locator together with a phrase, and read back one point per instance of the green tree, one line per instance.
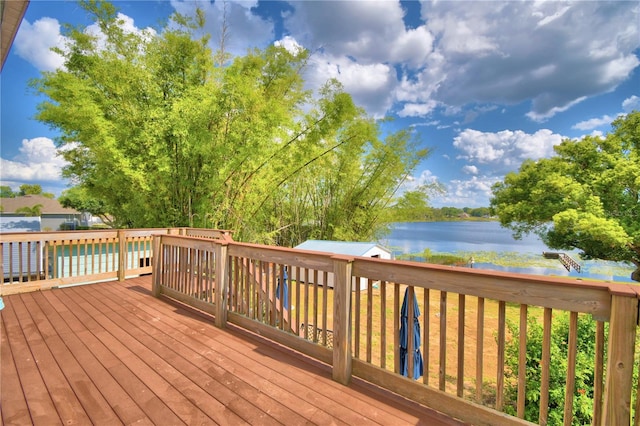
(32, 211)
(161, 136)
(79, 198)
(6, 192)
(480, 212)
(450, 212)
(28, 189)
(585, 197)
(414, 205)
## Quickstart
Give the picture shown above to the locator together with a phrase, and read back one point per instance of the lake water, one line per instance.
(488, 240)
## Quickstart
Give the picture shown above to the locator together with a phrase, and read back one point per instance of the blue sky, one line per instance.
(484, 84)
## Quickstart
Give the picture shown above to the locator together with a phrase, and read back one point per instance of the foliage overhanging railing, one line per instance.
(346, 311)
(40, 260)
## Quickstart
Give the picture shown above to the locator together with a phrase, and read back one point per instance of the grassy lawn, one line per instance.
(374, 350)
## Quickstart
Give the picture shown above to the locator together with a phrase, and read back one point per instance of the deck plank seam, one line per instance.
(305, 381)
(118, 339)
(135, 390)
(166, 346)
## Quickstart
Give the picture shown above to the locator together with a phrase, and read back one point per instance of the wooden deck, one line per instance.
(111, 353)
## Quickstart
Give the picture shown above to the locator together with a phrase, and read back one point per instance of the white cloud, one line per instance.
(470, 169)
(426, 177)
(417, 110)
(369, 85)
(631, 103)
(33, 43)
(290, 44)
(505, 150)
(244, 30)
(37, 162)
(548, 19)
(593, 123)
(126, 23)
(372, 32)
(550, 112)
(474, 192)
(552, 54)
(362, 44)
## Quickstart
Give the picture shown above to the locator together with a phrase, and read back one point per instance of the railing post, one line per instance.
(619, 374)
(156, 267)
(221, 283)
(342, 268)
(122, 255)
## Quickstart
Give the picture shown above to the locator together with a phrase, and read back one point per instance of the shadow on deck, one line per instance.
(111, 353)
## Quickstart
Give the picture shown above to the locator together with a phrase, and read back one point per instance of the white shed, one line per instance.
(363, 249)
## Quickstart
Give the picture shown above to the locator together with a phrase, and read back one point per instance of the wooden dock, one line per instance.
(566, 260)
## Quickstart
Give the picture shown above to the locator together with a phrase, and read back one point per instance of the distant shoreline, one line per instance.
(521, 261)
(457, 241)
(452, 219)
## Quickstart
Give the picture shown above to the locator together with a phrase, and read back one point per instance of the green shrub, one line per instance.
(585, 362)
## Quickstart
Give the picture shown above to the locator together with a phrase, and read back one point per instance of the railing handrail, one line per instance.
(591, 297)
(33, 261)
(616, 303)
(613, 302)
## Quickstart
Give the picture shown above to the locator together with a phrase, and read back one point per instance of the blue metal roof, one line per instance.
(341, 247)
(15, 223)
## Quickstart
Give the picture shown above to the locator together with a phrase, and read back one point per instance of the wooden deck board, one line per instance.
(42, 342)
(126, 410)
(111, 353)
(14, 405)
(203, 372)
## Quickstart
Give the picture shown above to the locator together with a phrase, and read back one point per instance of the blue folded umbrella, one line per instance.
(418, 364)
(285, 289)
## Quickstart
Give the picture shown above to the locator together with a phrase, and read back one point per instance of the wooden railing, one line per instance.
(313, 302)
(40, 260)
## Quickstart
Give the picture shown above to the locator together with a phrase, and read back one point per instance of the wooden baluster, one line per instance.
(325, 294)
(315, 304)
(298, 287)
(479, 349)
(461, 348)
(598, 375)
(356, 326)
(28, 261)
(396, 328)
(383, 324)
(122, 255)
(426, 334)
(522, 361)
(443, 341)
(306, 303)
(500, 361)
(570, 383)
(369, 316)
(2, 262)
(544, 365)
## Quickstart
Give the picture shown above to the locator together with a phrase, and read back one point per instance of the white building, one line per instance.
(362, 249)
